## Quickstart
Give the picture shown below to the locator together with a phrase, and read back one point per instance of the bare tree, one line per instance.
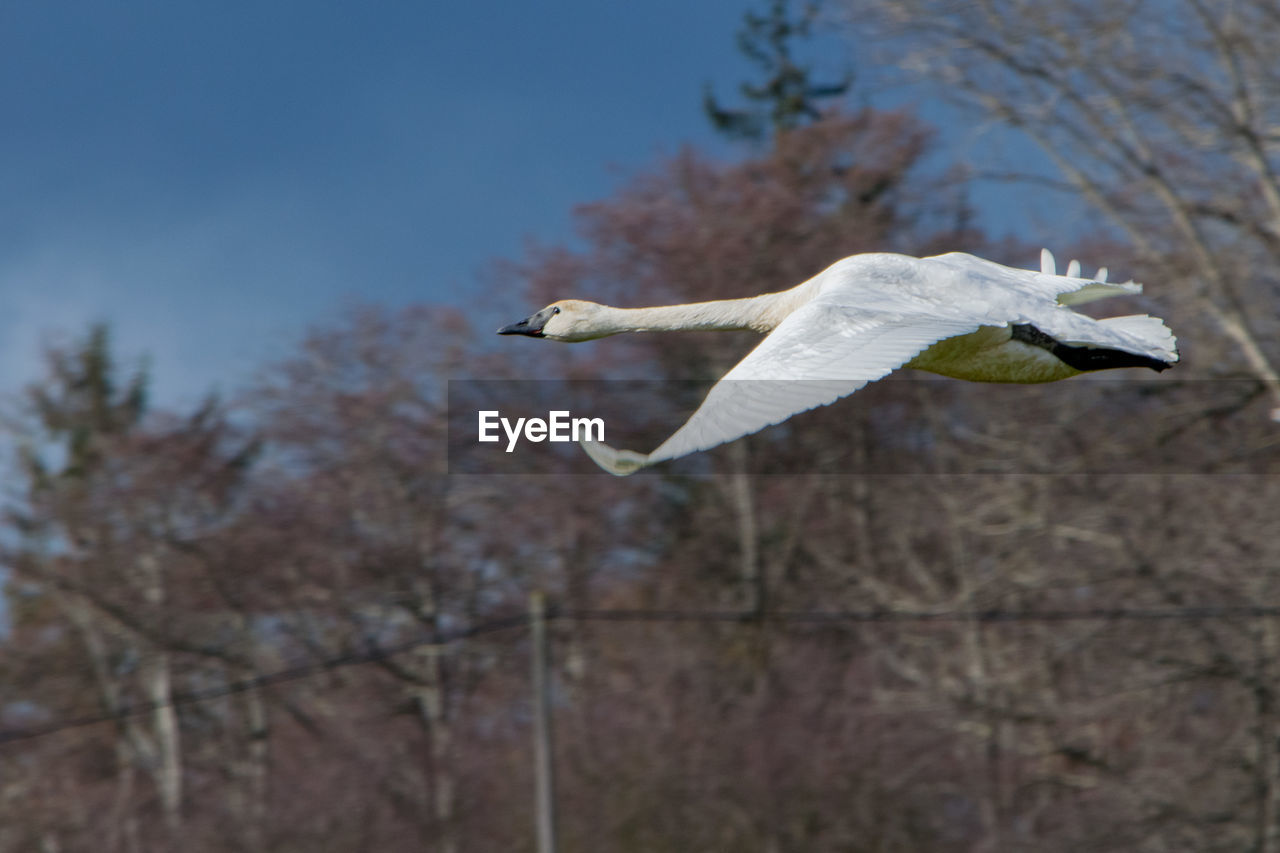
(107, 498)
(916, 701)
(1161, 116)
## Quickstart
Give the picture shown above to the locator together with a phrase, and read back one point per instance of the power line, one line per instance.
(909, 616)
(374, 654)
(292, 673)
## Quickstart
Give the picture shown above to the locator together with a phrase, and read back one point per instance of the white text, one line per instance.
(559, 426)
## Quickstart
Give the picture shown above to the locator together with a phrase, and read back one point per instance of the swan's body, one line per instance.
(867, 315)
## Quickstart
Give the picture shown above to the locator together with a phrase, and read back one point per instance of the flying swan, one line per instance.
(861, 318)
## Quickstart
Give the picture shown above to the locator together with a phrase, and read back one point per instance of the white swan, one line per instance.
(865, 316)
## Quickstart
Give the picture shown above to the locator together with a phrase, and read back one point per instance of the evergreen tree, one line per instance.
(82, 408)
(788, 97)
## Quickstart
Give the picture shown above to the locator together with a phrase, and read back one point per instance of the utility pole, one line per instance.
(544, 777)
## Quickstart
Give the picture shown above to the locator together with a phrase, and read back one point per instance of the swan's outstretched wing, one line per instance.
(975, 274)
(1085, 290)
(819, 354)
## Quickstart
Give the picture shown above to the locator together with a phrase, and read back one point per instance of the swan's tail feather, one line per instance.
(620, 463)
(1158, 340)
(1134, 341)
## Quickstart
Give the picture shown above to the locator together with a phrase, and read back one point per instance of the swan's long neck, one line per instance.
(758, 313)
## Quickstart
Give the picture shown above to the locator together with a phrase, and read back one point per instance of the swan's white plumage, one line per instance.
(834, 350)
(1146, 328)
(868, 315)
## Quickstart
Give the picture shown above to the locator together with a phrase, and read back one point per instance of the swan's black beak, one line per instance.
(521, 328)
(530, 326)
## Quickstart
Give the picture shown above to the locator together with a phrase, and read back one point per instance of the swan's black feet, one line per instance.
(1083, 358)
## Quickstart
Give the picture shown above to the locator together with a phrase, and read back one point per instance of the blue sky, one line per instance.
(214, 178)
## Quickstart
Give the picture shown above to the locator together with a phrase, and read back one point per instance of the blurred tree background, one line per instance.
(904, 622)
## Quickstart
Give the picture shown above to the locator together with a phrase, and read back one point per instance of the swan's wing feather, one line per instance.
(1069, 289)
(819, 354)
(1098, 289)
(1048, 265)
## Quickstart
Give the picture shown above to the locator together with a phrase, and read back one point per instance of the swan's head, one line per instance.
(567, 320)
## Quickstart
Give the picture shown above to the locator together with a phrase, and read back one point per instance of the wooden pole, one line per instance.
(544, 776)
